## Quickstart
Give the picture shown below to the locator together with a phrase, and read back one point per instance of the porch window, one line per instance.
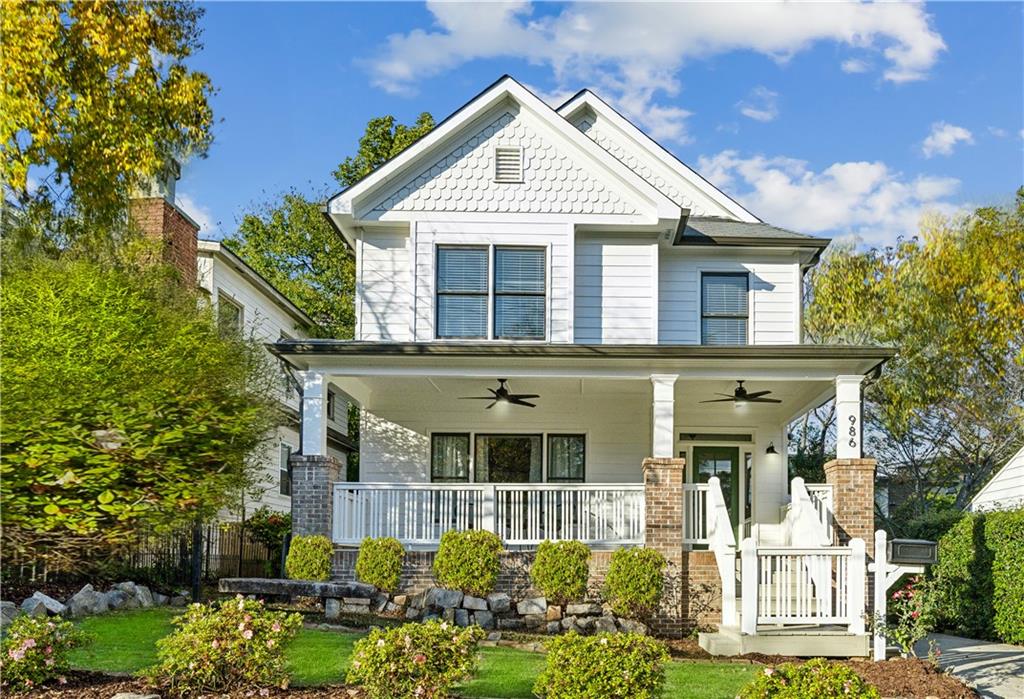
(724, 313)
(519, 281)
(285, 470)
(508, 458)
(449, 458)
(566, 458)
(462, 289)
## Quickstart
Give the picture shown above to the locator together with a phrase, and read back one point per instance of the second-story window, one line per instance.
(229, 314)
(724, 311)
(472, 305)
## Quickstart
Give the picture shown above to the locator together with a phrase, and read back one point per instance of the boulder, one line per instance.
(499, 602)
(52, 605)
(391, 608)
(554, 613)
(160, 600)
(400, 600)
(510, 624)
(380, 601)
(144, 596)
(8, 612)
(445, 599)
(357, 601)
(178, 601)
(494, 636)
(428, 615)
(86, 602)
(295, 588)
(532, 605)
(355, 608)
(33, 606)
(586, 623)
(534, 621)
(474, 603)
(570, 623)
(412, 613)
(582, 609)
(553, 627)
(119, 599)
(461, 617)
(483, 619)
(605, 624)
(448, 614)
(332, 608)
(630, 626)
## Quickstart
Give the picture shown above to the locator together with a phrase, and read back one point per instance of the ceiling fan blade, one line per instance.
(491, 405)
(524, 395)
(517, 401)
(757, 394)
(763, 400)
(476, 397)
(719, 400)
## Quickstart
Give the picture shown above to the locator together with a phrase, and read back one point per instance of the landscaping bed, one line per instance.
(912, 678)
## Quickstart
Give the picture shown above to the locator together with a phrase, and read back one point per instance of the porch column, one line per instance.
(853, 492)
(663, 421)
(314, 413)
(849, 431)
(663, 531)
(313, 480)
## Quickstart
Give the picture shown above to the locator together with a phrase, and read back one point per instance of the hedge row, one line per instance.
(977, 583)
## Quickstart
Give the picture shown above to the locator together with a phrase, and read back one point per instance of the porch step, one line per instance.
(801, 641)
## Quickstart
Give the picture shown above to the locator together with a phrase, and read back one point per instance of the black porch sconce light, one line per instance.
(771, 448)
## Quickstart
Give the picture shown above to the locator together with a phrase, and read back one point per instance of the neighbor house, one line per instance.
(1006, 489)
(564, 332)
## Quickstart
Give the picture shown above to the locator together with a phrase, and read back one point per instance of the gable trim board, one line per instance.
(655, 208)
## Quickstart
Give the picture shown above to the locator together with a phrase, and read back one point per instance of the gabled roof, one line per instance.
(343, 208)
(711, 230)
(629, 140)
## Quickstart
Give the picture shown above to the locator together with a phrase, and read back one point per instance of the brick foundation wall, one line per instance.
(853, 485)
(162, 221)
(702, 592)
(312, 496)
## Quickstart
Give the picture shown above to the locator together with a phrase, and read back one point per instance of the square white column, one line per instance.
(849, 431)
(663, 422)
(314, 413)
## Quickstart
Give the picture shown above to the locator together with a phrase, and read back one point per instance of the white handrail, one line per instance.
(802, 523)
(722, 540)
(822, 497)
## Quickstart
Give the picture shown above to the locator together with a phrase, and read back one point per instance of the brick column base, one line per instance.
(312, 496)
(853, 486)
(663, 499)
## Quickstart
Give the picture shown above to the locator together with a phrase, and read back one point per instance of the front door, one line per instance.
(723, 462)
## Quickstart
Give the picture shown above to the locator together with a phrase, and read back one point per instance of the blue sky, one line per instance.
(830, 119)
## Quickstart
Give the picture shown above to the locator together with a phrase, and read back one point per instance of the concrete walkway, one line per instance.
(993, 669)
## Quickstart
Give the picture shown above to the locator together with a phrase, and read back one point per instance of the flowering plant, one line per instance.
(908, 621)
(216, 648)
(815, 678)
(616, 666)
(34, 651)
(422, 661)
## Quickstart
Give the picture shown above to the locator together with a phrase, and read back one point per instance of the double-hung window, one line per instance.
(285, 470)
(473, 305)
(724, 310)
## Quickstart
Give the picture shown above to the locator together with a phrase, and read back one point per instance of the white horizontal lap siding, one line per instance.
(614, 290)
(553, 237)
(1006, 489)
(773, 299)
(384, 286)
(395, 434)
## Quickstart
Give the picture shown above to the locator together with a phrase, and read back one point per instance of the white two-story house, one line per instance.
(545, 299)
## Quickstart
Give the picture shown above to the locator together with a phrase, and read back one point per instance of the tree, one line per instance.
(949, 409)
(289, 241)
(125, 408)
(96, 98)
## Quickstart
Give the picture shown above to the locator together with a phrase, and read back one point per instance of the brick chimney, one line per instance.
(153, 210)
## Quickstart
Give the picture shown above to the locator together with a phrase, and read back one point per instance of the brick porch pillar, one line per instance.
(663, 499)
(853, 486)
(312, 497)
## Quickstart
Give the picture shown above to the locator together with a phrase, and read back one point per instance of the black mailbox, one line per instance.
(913, 551)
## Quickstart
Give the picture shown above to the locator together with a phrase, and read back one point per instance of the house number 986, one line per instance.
(853, 431)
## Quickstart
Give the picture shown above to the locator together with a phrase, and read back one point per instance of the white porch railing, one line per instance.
(695, 508)
(789, 585)
(722, 541)
(418, 514)
(805, 520)
(822, 498)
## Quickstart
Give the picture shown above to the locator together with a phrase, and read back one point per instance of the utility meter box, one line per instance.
(913, 551)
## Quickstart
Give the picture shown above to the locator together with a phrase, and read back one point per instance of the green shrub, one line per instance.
(34, 651)
(421, 661)
(626, 666)
(233, 644)
(977, 579)
(309, 558)
(469, 561)
(815, 678)
(380, 563)
(561, 569)
(634, 582)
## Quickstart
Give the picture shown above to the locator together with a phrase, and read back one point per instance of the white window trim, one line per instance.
(724, 269)
(225, 297)
(498, 430)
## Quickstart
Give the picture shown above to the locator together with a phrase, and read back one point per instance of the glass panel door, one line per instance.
(723, 462)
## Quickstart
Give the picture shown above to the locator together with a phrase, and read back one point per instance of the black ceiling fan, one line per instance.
(502, 395)
(740, 395)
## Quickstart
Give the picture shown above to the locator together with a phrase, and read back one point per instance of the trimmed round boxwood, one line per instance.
(635, 581)
(617, 666)
(309, 558)
(380, 563)
(815, 678)
(560, 570)
(469, 561)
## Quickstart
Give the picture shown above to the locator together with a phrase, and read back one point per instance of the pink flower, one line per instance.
(215, 643)
(276, 626)
(241, 627)
(270, 643)
(419, 659)
(247, 617)
(49, 650)
(915, 614)
(247, 634)
(49, 662)
(16, 654)
(28, 643)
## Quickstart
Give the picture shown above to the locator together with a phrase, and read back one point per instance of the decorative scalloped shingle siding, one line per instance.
(640, 167)
(463, 180)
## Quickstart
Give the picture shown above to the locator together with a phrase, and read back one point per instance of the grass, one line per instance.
(126, 642)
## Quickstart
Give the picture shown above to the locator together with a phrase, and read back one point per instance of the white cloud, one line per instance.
(998, 132)
(633, 52)
(761, 105)
(855, 65)
(200, 214)
(943, 139)
(867, 200)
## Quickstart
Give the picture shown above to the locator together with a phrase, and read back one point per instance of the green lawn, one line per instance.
(126, 642)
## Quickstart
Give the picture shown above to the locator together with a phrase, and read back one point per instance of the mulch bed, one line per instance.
(687, 649)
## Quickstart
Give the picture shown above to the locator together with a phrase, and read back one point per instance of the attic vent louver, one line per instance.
(508, 164)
